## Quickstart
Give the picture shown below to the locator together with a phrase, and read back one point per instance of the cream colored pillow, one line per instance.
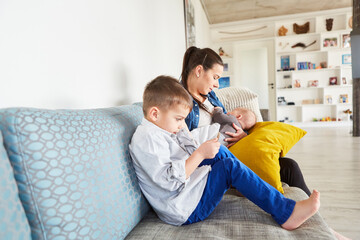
(234, 97)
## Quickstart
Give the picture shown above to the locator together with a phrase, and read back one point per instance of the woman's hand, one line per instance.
(235, 137)
(209, 148)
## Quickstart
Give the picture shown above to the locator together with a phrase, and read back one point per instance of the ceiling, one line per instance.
(222, 11)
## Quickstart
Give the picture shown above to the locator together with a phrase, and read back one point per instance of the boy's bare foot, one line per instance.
(303, 210)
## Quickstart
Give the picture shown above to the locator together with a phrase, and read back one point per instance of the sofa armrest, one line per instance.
(265, 113)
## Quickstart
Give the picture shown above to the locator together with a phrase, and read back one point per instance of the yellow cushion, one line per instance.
(261, 149)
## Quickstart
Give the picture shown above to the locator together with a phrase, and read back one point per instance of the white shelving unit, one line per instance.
(312, 93)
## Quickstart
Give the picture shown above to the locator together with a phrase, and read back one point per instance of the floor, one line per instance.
(330, 161)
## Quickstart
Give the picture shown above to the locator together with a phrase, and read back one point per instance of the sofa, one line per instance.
(67, 174)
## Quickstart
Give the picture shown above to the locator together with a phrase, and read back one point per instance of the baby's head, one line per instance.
(246, 117)
(166, 103)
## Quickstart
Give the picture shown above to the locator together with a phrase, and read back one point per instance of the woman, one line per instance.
(201, 71)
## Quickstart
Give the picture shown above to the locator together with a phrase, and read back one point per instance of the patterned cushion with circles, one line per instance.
(13, 222)
(74, 172)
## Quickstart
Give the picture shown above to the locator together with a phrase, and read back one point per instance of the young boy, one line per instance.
(177, 181)
(241, 117)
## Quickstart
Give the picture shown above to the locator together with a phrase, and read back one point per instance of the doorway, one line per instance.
(254, 69)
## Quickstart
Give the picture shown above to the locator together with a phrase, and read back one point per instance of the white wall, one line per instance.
(86, 53)
(202, 26)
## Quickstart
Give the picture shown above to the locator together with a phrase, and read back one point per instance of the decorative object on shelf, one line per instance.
(285, 45)
(346, 59)
(350, 22)
(224, 82)
(328, 99)
(301, 29)
(313, 83)
(307, 101)
(324, 119)
(302, 45)
(282, 31)
(330, 42)
(223, 53)
(323, 64)
(346, 41)
(348, 112)
(281, 101)
(285, 62)
(344, 98)
(297, 83)
(248, 31)
(329, 23)
(344, 80)
(333, 81)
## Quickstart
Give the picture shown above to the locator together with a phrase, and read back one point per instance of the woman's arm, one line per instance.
(235, 137)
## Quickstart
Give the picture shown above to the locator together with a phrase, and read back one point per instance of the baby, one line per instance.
(241, 117)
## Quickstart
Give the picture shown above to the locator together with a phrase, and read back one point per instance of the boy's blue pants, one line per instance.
(228, 170)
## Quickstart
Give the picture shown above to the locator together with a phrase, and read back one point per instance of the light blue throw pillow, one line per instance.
(74, 171)
(13, 222)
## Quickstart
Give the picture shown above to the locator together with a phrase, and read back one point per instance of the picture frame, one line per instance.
(281, 100)
(224, 82)
(189, 12)
(346, 59)
(346, 40)
(226, 67)
(285, 62)
(328, 99)
(344, 82)
(330, 42)
(313, 83)
(333, 81)
(344, 98)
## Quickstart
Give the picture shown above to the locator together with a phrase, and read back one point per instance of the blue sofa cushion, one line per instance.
(74, 171)
(13, 222)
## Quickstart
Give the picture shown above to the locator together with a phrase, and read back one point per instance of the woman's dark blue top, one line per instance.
(192, 120)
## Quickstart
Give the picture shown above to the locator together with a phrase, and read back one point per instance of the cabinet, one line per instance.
(313, 70)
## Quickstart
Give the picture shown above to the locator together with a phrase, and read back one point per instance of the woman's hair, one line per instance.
(195, 56)
(164, 92)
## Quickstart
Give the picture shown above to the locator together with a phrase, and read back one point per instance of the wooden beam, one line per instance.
(355, 53)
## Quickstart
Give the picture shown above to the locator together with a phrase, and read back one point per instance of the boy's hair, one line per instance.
(164, 92)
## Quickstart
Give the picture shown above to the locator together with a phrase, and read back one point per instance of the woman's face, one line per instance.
(208, 80)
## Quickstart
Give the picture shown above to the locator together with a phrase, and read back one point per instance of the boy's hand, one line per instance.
(209, 148)
(235, 136)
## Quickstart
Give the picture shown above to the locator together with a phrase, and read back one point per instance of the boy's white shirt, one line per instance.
(205, 133)
(159, 160)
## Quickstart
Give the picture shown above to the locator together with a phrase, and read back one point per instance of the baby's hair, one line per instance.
(164, 92)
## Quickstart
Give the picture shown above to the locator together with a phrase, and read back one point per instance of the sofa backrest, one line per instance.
(13, 222)
(73, 170)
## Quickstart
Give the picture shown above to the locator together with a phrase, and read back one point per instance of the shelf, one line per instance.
(322, 124)
(313, 70)
(323, 50)
(311, 88)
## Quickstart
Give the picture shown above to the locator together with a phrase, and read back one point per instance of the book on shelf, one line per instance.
(285, 62)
